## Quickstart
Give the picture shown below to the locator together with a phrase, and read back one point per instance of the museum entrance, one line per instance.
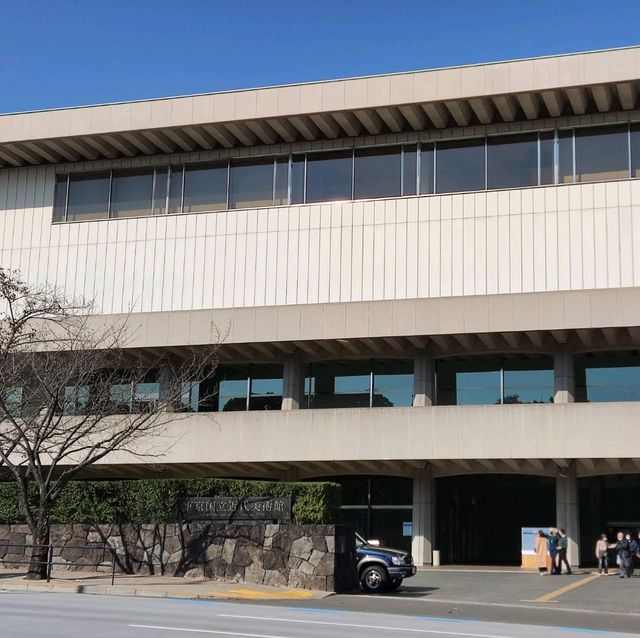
(607, 504)
(479, 517)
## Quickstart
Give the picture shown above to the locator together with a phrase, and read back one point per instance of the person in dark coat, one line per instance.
(552, 540)
(563, 545)
(624, 549)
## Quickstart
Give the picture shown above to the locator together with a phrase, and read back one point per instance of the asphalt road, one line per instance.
(31, 615)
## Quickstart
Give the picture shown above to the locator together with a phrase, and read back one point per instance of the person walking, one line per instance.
(552, 546)
(542, 552)
(563, 545)
(602, 554)
(625, 556)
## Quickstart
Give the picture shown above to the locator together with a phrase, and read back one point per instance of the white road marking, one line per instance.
(207, 631)
(438, 632)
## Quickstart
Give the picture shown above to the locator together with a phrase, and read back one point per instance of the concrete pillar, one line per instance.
(423, 378)
(167, 389)
(567, 510)
(292, 384)
(564, 377)
(423, 517)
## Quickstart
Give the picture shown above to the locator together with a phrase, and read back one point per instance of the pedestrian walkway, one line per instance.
(151, 586)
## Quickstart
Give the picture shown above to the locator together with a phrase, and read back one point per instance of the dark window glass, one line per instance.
(392, 383)
(232, 388)
(329, 176)
(132, 193)
(339, 384)
(251, 183)
(266, 387)
(160, 190)
(547, 160)
(281, 195)
(60, 199)
(635, 150)
(426, 169)
(565, 157)
(460, 166)
(176, 179)
(391, 490)
(602, 153)
(131, 396)
(410, 170)
(387, 526)
(528, 382)
(88, 196)
(613, 384)
(468, 382)
(297, 180)
(512, 161)
(378, 172)
(355, 490)
(205, 188)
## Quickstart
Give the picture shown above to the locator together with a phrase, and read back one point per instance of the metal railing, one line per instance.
(49, 561)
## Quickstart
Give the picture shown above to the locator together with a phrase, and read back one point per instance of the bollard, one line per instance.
(436, 558)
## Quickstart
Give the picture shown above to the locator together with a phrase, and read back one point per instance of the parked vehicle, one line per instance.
(381, 568)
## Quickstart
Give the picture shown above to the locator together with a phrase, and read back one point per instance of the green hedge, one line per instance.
(155, 500)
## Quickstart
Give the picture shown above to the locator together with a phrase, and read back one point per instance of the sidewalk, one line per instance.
(151, 587)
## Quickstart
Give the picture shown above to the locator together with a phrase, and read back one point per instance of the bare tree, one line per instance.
(71, 393)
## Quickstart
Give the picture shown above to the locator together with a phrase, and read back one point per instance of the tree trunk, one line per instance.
(39, 553)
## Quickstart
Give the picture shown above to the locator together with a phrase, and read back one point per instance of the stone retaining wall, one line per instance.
(305, 556)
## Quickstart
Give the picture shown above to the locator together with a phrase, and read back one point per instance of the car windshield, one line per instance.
(360, 542)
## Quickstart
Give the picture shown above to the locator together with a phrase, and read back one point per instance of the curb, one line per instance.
(107, 590)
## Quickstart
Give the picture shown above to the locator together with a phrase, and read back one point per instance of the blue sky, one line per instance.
(57, 53)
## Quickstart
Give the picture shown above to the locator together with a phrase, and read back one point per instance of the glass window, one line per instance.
(524, 384)
(76, 399)
(478, 388)
(160, 184)
(266, 387)
(251, 183)
(608, 377)
(410, 170)
(378, 172)
(565, 157)
(133, 396)
(233, 384)
(281, 195)
(512, 161)
(426, 169)
(205, 188)
(329, 176)
(460, 166)
(176, 182)
(297, 179)
(547, 158)
(132, 193)
(339, 384)
(88, 196)
(60, 199)
(392, 383)
(602, 153)
(635, 150)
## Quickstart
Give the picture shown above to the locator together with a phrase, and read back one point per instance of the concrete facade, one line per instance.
(547, 271)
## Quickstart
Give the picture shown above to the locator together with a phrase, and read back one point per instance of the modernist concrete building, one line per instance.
(428, 284)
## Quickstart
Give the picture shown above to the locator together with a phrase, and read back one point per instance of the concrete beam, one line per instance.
(284, 129)
(554, 101)
(627, 94)
(370, 120)
(416, 117)
(530, 104)
(460, 110)
(437, 113)
(602, 96)
(578, 99)
(327, 125)
(392, 118)
(507, 107)
(350, 124)
(483, 108)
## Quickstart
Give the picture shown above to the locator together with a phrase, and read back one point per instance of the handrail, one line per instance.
(49, 562)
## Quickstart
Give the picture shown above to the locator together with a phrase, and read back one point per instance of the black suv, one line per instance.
(381, 568)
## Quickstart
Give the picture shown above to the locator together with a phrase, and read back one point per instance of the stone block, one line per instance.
(254, 574)
(326, 566)
(316, 557)
(275, 559)
(319, 543)
(302, 548)
(293, 562)
(228, 550)
(306, 568)
(297, 579)
(241, 557)
(212, 552)
(274, 578)
(271, 530)
(331, 543)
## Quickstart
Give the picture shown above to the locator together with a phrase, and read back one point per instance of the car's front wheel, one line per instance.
(395, 583)
(374, 579)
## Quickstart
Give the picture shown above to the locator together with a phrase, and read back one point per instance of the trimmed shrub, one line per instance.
(156, 500)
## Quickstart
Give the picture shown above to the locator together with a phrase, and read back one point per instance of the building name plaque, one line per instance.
(230, 508)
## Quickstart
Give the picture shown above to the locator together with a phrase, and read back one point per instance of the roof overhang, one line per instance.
(502, 92)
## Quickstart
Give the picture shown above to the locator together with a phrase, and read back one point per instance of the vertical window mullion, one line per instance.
(486, 163)
(435, 163)
(228, 182)
(110, 191)
(275, 173)
(573, 145)
(304, 181)
(371, 382)
(501, 384)
(248, 402)
(153, 189)
(168, 186)
(629, 148)
(66, 199)
(539, 159)
(353, 172)
(289, 178)
(556, 156)
(418, 166)
(184, 179)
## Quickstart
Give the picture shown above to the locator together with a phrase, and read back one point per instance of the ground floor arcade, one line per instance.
(477, 518)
